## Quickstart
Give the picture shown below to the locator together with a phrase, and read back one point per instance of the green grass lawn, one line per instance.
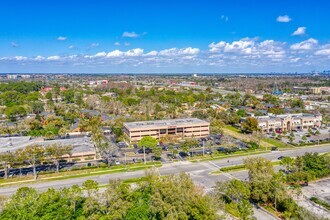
(79, 173)
(276, 143)
(229, 127)
(238, 168)
(223, 156)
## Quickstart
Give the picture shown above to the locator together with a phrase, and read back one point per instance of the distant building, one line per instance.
(179, 128)
(97, 83)
(26, 76)
(288, 122)
(12, 77)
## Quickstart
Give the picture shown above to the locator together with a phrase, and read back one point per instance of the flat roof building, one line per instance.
(289, 122)
(179, 128)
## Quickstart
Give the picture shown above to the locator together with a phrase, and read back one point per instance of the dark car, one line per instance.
(280, 158)
(221, 149)
(207, 151)
(184, 154)
(165, 148)
(147, 151)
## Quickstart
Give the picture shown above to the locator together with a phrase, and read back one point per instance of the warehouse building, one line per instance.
(179, 128)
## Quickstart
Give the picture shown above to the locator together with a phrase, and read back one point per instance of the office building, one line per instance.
(289, 122)
(179, 128)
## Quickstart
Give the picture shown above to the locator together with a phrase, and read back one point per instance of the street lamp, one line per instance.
(144, 154)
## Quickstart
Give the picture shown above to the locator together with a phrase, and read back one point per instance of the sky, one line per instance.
(157, 36)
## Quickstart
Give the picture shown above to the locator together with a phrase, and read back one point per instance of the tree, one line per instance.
(216, 126)
(49, 96)
(299, 103)
(241, 113)
(291, 139)
(304, 138)
(236, 195)
(157, 151)
(250, 125)
(189, 143)
(56, 152)
(316, 165)
(15, 111)
(288, 163)
(33, 155)
(107, 150)
(155, 197)
(310, 131)
(6, 159)
(261, 174)
(91, 187)
(148, 142)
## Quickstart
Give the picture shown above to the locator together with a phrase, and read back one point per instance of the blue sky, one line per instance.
(164, 36)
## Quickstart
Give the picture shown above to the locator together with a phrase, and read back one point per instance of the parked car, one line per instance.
(147, 150)
(184, 154)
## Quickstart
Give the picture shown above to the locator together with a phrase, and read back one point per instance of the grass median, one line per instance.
(78, 173)
(224, 156)
(237, 168)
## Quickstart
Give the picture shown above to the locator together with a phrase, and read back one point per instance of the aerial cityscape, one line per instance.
(165, 110)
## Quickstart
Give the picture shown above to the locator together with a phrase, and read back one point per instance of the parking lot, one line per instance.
(319, 189)
(310, 137)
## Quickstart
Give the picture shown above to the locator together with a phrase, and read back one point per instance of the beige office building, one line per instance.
(289, 122)
(179, 128)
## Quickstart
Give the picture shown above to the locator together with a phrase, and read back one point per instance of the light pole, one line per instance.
(144, 155)
(203, 148)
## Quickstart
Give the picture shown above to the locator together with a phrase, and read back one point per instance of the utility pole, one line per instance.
(203, 148)
(144, 154)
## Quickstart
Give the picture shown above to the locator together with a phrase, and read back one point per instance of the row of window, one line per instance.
(178, 129)
(156, 135)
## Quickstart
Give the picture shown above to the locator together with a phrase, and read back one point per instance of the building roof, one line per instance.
(164, 123)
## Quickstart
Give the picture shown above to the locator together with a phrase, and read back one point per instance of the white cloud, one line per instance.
(179, 52)
(39, 58)
(283, 18)
(134, 52)
(325, 52)
(246, 50)
(100, 54)
(305, 45)
(20, 58)
(72, 47)
(115, 53)
(246, 54)
(117, 43)
(127, 44)
(152, 53)
(61, 38)
(95, 44)
(130, 34)
(224, 18)
(299, 31)
(189, 51)
(53, 58)
(14, 44)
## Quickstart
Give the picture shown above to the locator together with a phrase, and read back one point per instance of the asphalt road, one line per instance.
(199, 171)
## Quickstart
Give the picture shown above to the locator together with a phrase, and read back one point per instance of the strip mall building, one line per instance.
(289, 122)
(179, 128)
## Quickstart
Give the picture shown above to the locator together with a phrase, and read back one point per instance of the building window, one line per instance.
(162, 131)
(179, 130)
